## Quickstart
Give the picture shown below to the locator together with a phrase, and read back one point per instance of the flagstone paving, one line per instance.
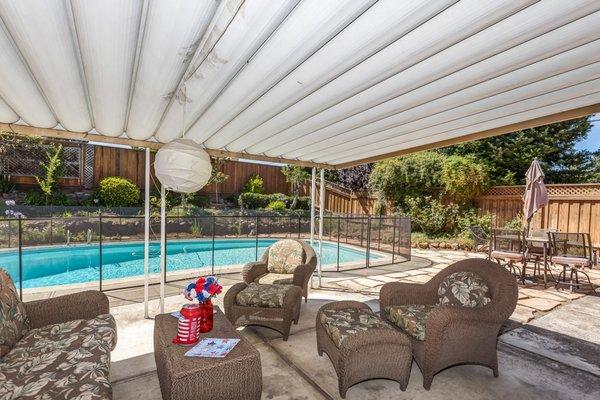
(534, 300)
(551, 349)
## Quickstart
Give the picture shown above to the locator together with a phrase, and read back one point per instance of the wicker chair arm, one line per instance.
(443, 318)
(253, 270)
(83, 305)
(302, 274)
(399, 293)
(230, 295)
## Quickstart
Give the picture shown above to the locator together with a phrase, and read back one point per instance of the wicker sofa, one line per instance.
(57, 348)
(447, 330)
(288, 261)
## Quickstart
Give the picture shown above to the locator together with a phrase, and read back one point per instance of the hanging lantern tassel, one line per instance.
(182, 166)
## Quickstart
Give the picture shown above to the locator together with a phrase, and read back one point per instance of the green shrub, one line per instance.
(233, 199)
(414, 175)
(515, 223)
(464, 178)
(255, 184)
(35, 198)
(276, 205)
(303, 203)
(430, 215)
(469, 218)
(6, 186)
(115, 191)
(253, 201)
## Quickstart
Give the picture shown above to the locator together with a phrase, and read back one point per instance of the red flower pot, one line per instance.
(206, 316)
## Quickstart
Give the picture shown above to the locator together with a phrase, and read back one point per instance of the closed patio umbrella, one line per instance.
(536, 195)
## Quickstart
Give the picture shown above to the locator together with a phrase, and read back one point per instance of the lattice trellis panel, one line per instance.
(575, 190)
(88, 166)
(23, 158)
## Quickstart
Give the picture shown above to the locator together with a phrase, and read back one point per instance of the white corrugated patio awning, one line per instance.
(326, 83)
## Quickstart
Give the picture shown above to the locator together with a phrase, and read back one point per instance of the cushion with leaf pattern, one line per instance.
(340, 324)
(13, 318)
(68, 360)
(463, 288)
(284, 256)
(411, 318)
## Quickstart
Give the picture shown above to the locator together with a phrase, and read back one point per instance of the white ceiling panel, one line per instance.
(331, 82)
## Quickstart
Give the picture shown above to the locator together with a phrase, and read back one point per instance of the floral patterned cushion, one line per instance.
(284, 256)
(13, 319)
(411, 318)
(280, 279)
(62, 361)
(465, 289)
(339, 324)
(262, 295)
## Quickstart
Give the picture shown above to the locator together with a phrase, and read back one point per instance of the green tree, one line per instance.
(464, 178)
(414, 175)
(595, 173)
(295, 175)
(509, 156)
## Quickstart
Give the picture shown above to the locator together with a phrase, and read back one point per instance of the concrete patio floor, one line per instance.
(555, 355)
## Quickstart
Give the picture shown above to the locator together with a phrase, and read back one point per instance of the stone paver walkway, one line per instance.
(534, 300)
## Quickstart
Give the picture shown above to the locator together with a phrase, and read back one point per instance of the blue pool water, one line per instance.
(62, 265)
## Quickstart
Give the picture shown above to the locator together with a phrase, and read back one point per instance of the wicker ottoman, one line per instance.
(361, 345)
(273, 306)
(237, 376)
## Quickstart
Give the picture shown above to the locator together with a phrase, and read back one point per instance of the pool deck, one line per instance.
(550, 349)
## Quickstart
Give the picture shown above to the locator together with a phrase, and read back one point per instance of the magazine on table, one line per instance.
(213, 347)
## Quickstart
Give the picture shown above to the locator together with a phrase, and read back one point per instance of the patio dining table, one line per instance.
(544, 243)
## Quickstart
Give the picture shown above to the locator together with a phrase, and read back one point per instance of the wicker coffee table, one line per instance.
(236, 376)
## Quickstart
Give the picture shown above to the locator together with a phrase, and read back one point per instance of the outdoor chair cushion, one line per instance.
(507, 255)
(13, 319)
(284, 256)
(465, 289)
(339, 324)
(262, 295)
(280, 279)
(411, 318)
(69, 360)
(576, 261)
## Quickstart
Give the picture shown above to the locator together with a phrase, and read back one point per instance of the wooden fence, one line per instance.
(572, 208)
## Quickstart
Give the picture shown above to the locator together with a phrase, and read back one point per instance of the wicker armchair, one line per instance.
(456, 334)
(262, 272)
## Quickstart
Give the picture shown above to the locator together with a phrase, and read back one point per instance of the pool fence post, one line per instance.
(146, 232)
(321, 216)
(20, 259)
(100, 247)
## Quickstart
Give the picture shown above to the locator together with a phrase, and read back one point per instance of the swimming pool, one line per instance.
(62, 265)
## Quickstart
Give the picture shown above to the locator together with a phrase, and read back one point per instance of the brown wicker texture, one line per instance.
(254, 270)
(375, 353)
(237, 376)
(279, 319)
(82, 305)
(457, 335)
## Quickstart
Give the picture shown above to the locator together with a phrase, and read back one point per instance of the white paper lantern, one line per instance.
(182, 166)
